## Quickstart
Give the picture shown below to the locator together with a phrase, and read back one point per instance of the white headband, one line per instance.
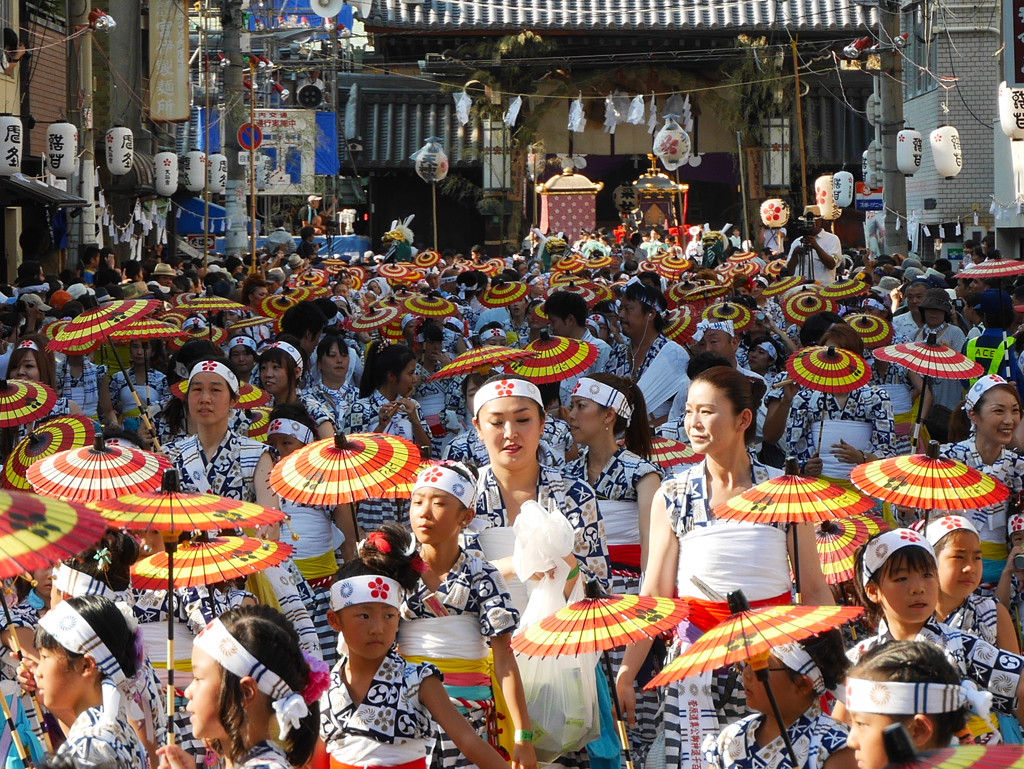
(370, 588)
(898, 698)
(939, 527)
(881, 548)
(445, 479)
(603, 395)
(492, 333)
(506, 388)
(218, 368)
(245, 341)
(1015, 524)
(771, 349)
(295, 354)
(714, 325)
(296, 430)
(28, 344)
(225, 649)
(980, 387)
(795, 657)
(874, 304)
(196, 323)
(75, 583)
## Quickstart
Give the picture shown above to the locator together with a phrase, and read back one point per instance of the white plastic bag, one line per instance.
(561, 692)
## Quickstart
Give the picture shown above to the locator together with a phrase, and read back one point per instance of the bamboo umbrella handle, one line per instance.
(22, 753)
(17, 653)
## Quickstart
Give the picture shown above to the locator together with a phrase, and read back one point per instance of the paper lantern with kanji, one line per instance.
(61, 149)
(774, 213)
(11, 144)
(120, 146)
(824, 198)
(842, 189)
(1011, 111)
(431, 162)
(947, 153)
(672, 144)
(193, 165)
(909, 151)
(165, 173)
(568, 203)
(217, 168)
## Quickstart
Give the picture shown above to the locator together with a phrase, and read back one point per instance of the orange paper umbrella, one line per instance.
(397, 273)
(144, 330)
(828, 369)
(928, 481)
(680, 325)
(503, 294)
(742, 256)
(276, 305)
(844, 289)
(22, 401)
(426, 259)
(837, 541)
(872, 330)
(670, 453)
(377, 318)
(53, 435)
(259, 427)
(774, 268)
(344, 469)
(492, 267)
(554, 358)
(36, 532)
(802, 305)
(208, 561)
(671, 266)
(480, 357)
(93, 326)
(993, 268)
(98, 472)
(245, 323)
(214, 334)
(211, 305)
(429, 306)
(249, 396)
(702, 295)
(571, 263)
(930, 359)
(782, 285)
(741, 317)
(599, 262)
(307, 293)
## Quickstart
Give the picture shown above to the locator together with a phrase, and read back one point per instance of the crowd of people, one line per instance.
(385, 640)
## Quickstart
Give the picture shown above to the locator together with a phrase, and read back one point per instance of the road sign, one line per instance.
(249, 136)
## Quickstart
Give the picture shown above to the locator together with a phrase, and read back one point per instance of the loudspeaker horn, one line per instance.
(327, 8)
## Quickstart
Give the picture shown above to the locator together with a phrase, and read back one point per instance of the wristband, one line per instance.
(573, 573)
(524, 735)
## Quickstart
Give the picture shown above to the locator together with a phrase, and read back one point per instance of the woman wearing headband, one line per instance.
(510, 420)
(687, 541)
(439, 396)
(281, 367)
(982, 429)
(625, 481)
(799, 674)
(242, 354)
(335, 361)
(87, 656)
(31, 361)
(150, 384)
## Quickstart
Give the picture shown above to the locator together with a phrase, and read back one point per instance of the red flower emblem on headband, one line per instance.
(432, 476)
(576, 389)
(504, 388)
(952, 522)
(276, 425)
(909, 536)
(379, 589)
(1017, 523)
(209, 366)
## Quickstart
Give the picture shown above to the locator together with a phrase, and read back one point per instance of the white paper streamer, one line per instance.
(636, 111)
(462, 105)
(513, 111)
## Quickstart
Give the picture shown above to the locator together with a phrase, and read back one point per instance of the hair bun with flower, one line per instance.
(319, 678)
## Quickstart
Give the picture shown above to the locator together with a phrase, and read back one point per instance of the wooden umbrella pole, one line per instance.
(762, 676)
(144, 413)
(170, 547)
(21, 658)
(22, 753)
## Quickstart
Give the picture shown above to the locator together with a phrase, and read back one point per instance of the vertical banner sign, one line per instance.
(168, 61)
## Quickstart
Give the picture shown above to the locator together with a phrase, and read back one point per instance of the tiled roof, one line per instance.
(647, 16)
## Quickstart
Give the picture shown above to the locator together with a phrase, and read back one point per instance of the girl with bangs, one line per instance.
(281, 366)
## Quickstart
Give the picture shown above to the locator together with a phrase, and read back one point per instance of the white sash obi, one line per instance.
(456, 636)
(857, 434)
(621, 521)
(730, 556)
(499, 542)
(899, 394)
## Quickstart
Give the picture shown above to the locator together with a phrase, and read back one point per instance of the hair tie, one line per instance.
(102, 557)
(319, 679)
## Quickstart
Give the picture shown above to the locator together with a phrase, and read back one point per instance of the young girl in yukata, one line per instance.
(799, 674)
(88, 653)
(911, 683)
(254, 695)
(898, 585)
(379, 708)
(461, 618)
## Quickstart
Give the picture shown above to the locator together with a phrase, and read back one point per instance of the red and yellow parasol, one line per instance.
(492, 267)
(741, 317)
(702, 295)
(554, 358)
(742, 256)
(36, 532)
(675, 294)
(426, 259)
(93, 326)
(572, 287)
(22, 401)
(249, 396)
(53, 435)
(993, 268)
(374, 319)
(669, 453)
(965, 757)
(671, 266)
(933, 360)
(259, 320)
(480, 358)
(144, 330)
(837, 541)
(571, 263)
(50, 330)
(96, 473)
(774, 268)
(307, 293)
(429, 306)
(205, 561)
(802, 305)
(561, 279)
(503, 294)
(844, 289)
(212, 305)
(398, 273)
(276, 305)
(828, 369)
(599, 262)
(928, 481)
(782, 285)
(214, 334)
(344, 469)
(259, 427)
(872, 330)
(680, 325)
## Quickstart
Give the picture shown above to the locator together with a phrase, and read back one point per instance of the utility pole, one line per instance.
(80, 113)
(890, 93)
(236, 241)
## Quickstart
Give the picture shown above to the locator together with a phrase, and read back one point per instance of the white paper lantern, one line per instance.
(774, 213)
(824, 198)
(672, 144)
(842, 189)
(120, 150)
(217, 167)
(11, 142)
(947, 153)
(909, 151)
(61, 149)
(165, 173)
(1011, 111)
(193, 165)
(431, 162)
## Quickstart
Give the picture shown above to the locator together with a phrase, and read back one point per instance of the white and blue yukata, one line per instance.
(868, 410)
(83, 390)
(96, 740)
(264, 755)
(154, 393)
